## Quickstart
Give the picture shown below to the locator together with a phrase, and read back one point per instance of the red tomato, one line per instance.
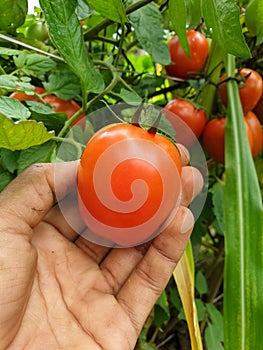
(69, 107)
(128, 183)
(258, 110)
(214, 138)
(256, 130)
(184, 66)
(193, 117)
(250, 91)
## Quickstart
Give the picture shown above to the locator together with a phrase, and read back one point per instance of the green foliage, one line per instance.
(117, 54)
(23, 134)
(65, 32)
(147, 27)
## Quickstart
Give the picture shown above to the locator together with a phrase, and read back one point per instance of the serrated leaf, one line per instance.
(66, 33)
(32, 155)
(64, 85)
(112, 9)
(177, 15)
(9, 52)
(146, 22)
(12, 83)
(43, 113)
(38, 65)
(13, 108)
(222, 16)
(22, 134)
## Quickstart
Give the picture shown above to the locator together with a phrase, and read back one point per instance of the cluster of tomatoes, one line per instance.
(69, 107)
(212, 131)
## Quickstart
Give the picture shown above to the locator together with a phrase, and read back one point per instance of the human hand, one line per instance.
(60, 291)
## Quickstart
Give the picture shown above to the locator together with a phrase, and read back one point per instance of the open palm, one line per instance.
(60, 291)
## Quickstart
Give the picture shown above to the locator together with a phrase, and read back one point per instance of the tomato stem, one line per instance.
(136, 117)
(154, 128)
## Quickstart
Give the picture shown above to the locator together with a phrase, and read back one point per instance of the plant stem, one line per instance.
(213, 68)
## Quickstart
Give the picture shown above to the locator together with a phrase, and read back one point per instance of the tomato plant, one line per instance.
(111, 203)
(256, 130)
(184, 66)
(69, 107)
(194, 118)
(110, 54)
(250, 89)
(214, 138)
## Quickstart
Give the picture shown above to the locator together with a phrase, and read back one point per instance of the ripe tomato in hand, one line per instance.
(187, 112)
(128, 183)
(250, 91)
(69, 107)
(256, 130)
(184, 66)
(214, 138)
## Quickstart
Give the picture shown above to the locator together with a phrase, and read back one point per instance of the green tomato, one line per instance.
(13, 14)
(38, 31)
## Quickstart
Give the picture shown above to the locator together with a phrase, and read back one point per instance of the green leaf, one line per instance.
(64, 85)
(217, 321)
(38, 65)
(83, 10)
(200, 307)
(5, 179)
(9, 52)
(218, 204)
(12, 83)
(66, 33)
(243, 282)
(43, 113)
(259, 21)
(32, 155)
(200, 283)
(193, 13)
(22, 134)
(177, 15)
(161, 310)
(13, 108)
(146, 22)
(9, 159)
(112, 9)
(222, 16)
(128, 96)
(211, 338)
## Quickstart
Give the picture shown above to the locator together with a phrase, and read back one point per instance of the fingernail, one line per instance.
(188, 222)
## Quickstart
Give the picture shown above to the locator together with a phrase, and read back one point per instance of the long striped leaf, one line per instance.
(243, 282)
